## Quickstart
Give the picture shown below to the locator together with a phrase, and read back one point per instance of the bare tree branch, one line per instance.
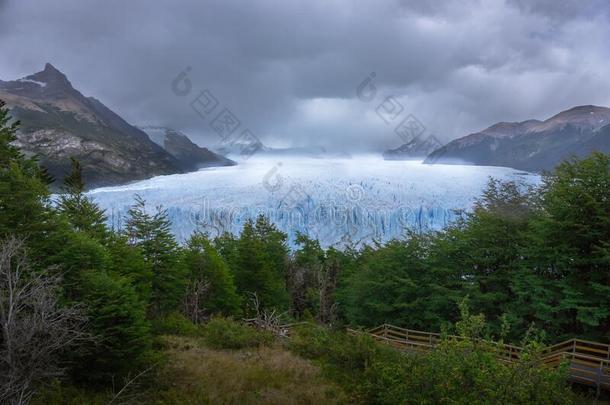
(35, 328)
(129, 383)
(265, 320)
(194, 298)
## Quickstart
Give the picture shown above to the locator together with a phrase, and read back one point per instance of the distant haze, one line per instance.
(290, 70)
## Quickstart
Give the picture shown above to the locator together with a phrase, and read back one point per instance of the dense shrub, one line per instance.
(462, 372)
(458, 372)
(58, 392)
(344, 358)
(174, 324)
(224, 333)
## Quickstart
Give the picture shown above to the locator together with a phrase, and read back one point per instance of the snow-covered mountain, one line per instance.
(339, 201)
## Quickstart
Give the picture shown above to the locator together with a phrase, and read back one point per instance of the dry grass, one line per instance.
(269, 375)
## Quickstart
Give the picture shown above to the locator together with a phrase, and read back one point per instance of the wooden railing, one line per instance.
(588, 362)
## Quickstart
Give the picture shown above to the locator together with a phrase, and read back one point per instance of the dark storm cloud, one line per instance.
(289, 69)
(564, 9)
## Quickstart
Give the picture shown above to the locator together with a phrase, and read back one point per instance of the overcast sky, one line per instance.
(290, 70)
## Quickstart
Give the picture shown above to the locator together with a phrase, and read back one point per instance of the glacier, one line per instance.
(341, 201)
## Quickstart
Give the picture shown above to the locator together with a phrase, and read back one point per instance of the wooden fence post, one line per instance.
(599, 380)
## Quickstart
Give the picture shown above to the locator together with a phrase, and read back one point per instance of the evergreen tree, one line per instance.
(77, 255)
(24, 194)
(210, 283)
(128, 261)
(257, 269)
(83, 214)
(274, 245)
(151, 233)
(117, 318)
(8, 134)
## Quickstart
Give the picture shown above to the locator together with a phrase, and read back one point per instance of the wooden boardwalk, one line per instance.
(588, 362)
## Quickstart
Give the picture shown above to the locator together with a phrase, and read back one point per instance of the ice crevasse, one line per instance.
(339, 201)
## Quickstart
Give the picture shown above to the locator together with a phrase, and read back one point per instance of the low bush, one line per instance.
(174, 324)
(458, 372)
(58, 392)
(225, 333)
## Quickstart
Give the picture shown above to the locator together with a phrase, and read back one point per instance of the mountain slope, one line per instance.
(189, 155)
(532, 145)
(417, 148)
(58, 122)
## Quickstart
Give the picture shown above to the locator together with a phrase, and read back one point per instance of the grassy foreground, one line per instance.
(222, 363)
(196, 374)
(226, 362)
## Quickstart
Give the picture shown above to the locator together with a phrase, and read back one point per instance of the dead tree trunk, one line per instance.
(328, 285)
(194, 300)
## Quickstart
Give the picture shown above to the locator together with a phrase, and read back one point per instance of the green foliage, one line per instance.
(77, 255)
(458, 371)
(118, 320)
(206, 267)
(225, 333)
(128, 261)
(490, 242)
(304, 275)
(8, 134)
(344, 358)
(396, 284)
(274, 245)
(84, 215)
(570, 247)
(470, 326)
(60, 393)
(151, 233)
(24, 196)
(257, 259)
(174, 324)
(522, 257)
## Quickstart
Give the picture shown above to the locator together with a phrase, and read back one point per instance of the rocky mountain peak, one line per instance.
(58, 123)
(51, 77)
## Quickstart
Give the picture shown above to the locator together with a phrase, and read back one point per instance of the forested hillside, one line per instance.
(85, 309)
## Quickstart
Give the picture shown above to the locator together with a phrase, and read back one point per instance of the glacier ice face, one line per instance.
(338, 201)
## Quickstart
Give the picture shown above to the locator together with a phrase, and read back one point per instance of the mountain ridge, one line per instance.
(532, 145)
(417, 148)
(58, 122)
(190, 155)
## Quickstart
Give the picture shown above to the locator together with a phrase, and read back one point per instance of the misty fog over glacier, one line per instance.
(339, 201)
